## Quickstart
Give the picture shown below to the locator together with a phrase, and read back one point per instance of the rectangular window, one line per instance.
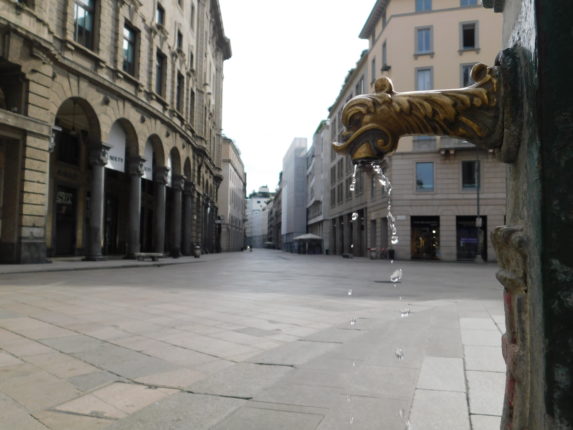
(340, 168)
(192, 16)
(129, 47)
(466, 78)
(84, 17)
(160, 15)
(373, 70)
(470, 175)
(192, 107)
(424, 79)
(340, 195)
(179, 40)
(385, 56)
(423, 5)
(469, 36)
(423, 40)
(360, 86)
(332, 197)
(332, 175)
(425, 176)
(160, 73)
(180, 91)
(465, 3)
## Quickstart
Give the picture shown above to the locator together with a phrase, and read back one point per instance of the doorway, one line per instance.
(425, 239)
(66, 217)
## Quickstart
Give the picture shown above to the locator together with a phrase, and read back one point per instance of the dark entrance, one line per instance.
(425, 239)
(115, 213)
(65, 231)
(146, 224)
(468, 239)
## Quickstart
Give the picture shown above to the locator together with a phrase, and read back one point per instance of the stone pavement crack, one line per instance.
(273, 364)
(321, 341)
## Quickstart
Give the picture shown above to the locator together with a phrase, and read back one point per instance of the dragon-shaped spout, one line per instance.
(375, 122)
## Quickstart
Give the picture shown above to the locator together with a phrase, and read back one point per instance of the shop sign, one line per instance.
(148, 164)
(116, 142)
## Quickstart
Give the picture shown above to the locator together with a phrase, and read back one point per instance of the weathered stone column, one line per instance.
(160, 179)
(177, 183)
(98, 158)
(188, 193)
(135, 171)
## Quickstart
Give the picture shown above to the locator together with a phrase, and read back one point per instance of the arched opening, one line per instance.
(173, 163)
(76, 127)
(153, 155)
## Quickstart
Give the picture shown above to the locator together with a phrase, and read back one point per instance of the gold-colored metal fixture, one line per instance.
(375, 122)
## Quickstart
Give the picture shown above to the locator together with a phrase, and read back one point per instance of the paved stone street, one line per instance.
(254, 341)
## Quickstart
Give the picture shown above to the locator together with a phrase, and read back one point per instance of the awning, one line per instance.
(308, 236)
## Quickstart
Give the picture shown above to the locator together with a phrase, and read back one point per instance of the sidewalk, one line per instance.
(134, 354)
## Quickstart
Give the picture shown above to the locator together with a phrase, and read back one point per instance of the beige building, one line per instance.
(110, 119)
(440, 185)
(232, 194)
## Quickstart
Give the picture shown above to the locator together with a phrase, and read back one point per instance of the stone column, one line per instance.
(188, 193)
(355, 226)
(135, 171)
(160, 179)
(98, 158)
(177, 182)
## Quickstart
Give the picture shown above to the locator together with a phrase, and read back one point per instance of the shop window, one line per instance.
(425, 176)
(84, 22)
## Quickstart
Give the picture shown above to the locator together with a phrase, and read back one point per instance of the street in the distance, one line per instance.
(251, 340)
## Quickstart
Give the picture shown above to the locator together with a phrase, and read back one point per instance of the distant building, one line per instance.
(317, 177)
(231, 198)
(274, 238)
(438, 182)
(256, 225)
(293, 189)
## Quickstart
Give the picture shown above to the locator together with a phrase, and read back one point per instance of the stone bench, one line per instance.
(154, 256)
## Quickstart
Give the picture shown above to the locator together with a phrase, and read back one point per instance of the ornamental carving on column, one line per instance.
(178, 182)
(135, 166)
(99, 155)
(161, 175)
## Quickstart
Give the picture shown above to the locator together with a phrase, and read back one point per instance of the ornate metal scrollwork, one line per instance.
(375, 122)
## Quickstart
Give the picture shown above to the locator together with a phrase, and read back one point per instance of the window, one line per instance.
(465, 3)
(191, 59)
(347, 187)
(466, 78)
(192, 16)
(425, 176)
(373, 70)
(129, 46)
(360, 86)
(424, 79)
(160, 73)
(192, 107)
(340, 193)
(470, 175)
(84, 15)
(424, 40)
(469, 36)
(423, 5)
(180, 91)
(385, 65)
(179, 40)
(332, 175)
(160, 15)
(332, 197)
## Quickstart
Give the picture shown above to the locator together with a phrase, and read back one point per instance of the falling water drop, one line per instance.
(405, 313)
(399, 353)
(401, 413)
(354, 364)
(352, 322)
(396, 276)
(354, 216)
(349, 292)
(353, 183)
(394, 239)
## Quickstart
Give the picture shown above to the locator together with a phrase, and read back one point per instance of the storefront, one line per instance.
(425, 237)
(468, 238)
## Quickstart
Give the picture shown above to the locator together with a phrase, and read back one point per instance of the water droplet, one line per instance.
(396, 276)
(399, 353)
(405, 313)
(354, 364)
(352, 322)
(401, 298)
(401, 413)
(394, 239)
(350, 292)
(352, 187)
(409, 426)
(351, 245)
(391, 261)
(354, 216)
(351, 420)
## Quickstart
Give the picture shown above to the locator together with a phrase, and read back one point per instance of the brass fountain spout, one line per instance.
(375, 122)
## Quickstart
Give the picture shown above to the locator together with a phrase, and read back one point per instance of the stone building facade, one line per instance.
(293, 194)
(110, 119)
(447, 196)
(231, 203)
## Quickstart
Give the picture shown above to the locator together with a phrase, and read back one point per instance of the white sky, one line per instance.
(289, 62)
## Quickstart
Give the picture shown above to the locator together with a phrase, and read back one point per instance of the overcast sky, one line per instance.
(289, 62)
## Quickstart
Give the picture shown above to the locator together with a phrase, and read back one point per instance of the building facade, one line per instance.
(447, 196)
(293, 194)
(110, 127)
(317, 177)
(257, 217)
(231, 202)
